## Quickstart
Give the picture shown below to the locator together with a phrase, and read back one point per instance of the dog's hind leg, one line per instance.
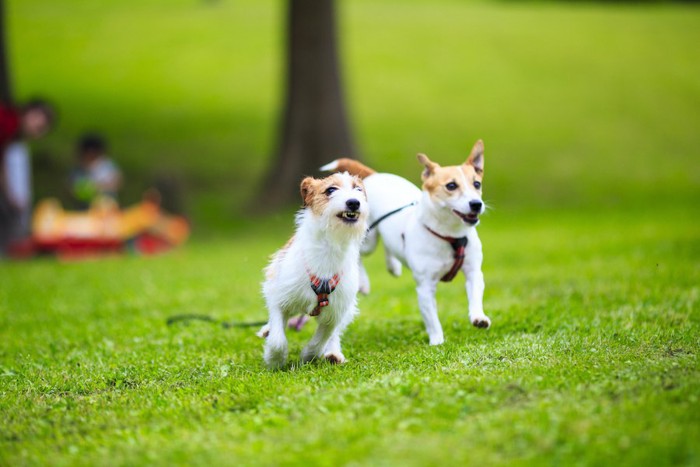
(368, 246)
(364, 279)
(393, 265)
(276, 342)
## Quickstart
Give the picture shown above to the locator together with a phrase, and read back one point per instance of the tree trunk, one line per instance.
(5, 82)
(314, 126)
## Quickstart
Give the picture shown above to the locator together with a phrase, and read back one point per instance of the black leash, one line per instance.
(226, 325)
(389, 214)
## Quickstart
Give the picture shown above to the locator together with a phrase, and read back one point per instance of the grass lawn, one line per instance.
(591, 359)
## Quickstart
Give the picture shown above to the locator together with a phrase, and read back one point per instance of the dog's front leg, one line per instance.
(475, 295)
(332, 352)
(428, 309)
(317, 344)
(276, 341)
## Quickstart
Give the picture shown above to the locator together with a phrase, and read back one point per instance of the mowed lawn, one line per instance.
(591, 359)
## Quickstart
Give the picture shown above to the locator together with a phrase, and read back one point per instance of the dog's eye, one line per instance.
(452, 186)
(477, 184)
(330, 190)
(358, 188)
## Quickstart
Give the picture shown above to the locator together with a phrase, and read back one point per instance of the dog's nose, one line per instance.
(353, 204)
(475, 205)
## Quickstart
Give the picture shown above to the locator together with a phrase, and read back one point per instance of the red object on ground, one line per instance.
(149, 244)
(79, 248)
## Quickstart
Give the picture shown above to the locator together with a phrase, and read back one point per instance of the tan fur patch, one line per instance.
(353, 167)
(314, 193)
(437, 180)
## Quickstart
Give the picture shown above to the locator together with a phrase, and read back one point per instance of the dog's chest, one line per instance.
(428, 255)
(304, 294)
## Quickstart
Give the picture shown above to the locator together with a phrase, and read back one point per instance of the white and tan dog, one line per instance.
(316, 272)
(432, 232)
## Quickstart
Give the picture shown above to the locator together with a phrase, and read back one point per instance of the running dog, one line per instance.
(316, 272)
(432, 232)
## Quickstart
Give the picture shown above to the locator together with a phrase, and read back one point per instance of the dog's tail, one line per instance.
(348, 165)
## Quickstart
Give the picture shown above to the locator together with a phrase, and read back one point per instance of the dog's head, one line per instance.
(339, 201)
(457, 188)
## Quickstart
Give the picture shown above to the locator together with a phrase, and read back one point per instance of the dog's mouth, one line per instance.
(470, 218)
(349, 217)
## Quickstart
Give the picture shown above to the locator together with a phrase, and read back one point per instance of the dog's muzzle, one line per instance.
(472, 217)
(352, 213)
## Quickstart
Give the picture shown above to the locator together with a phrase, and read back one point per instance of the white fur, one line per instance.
(326, 246)
(407, 241)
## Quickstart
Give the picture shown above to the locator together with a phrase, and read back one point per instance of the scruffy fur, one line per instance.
(330, 230)
(450, 204)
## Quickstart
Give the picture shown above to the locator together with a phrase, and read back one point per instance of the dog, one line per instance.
(317, 272)
(431, 231)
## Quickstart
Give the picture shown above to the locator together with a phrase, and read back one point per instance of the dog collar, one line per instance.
(322, 288)
(458, 244)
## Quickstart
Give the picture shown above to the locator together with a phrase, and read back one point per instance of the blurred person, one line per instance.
(30, 121)
(95, 175)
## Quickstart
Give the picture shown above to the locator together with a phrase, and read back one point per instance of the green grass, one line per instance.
(591, 359)
(578, 104)
(590, 117)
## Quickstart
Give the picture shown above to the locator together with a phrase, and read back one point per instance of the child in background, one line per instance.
(17, 124)
(95, 175)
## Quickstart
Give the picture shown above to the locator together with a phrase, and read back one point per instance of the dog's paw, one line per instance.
(482, 322)
(308, 356)
(364, 289)
(275, 357)
(393, 265)
(263, 332)
(437, 340)
(336, 358)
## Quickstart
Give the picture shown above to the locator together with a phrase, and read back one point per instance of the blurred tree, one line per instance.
(314, 127)
(5, 85)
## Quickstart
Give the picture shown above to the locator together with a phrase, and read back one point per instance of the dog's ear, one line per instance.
(476, 158)
(429, 165)
(307, 190)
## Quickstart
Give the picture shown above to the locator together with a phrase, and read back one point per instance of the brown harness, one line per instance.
(458, 245)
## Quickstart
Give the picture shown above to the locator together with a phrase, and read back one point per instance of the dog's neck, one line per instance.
(441, 219)
(325, 250)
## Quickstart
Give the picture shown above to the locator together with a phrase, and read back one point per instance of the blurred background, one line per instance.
(581, 105)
